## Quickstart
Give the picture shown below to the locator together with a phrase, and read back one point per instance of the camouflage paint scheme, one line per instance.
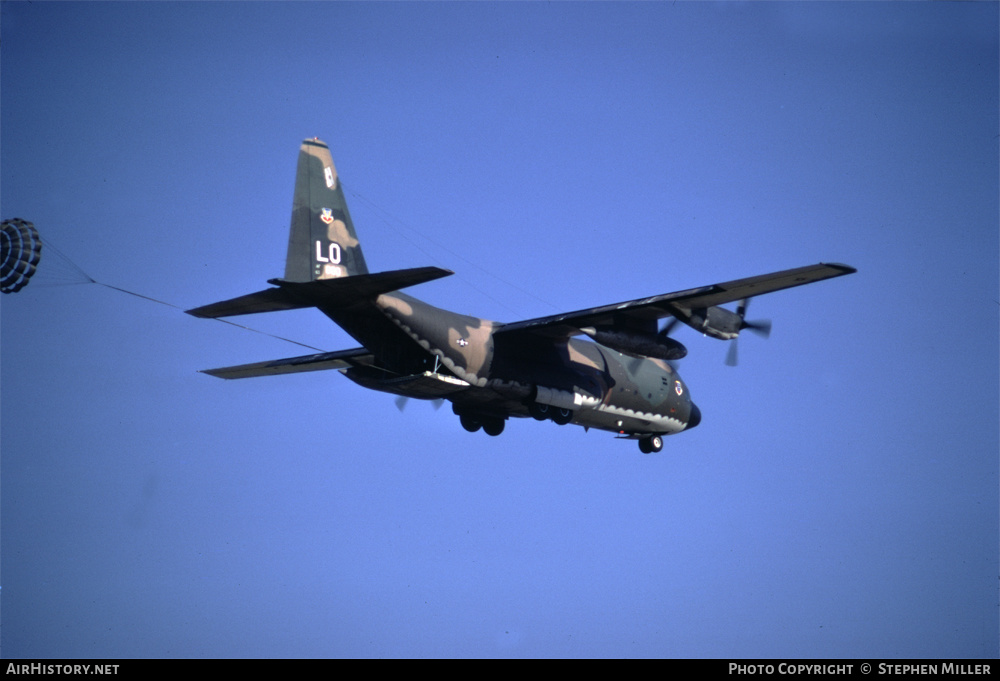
(619, 380)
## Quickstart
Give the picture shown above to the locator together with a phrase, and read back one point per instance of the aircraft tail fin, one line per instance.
(325, 267)
(322, 243)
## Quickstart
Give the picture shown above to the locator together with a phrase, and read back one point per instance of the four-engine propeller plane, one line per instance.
(619, 379)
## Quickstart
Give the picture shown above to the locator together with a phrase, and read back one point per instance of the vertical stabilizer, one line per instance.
(322, 243)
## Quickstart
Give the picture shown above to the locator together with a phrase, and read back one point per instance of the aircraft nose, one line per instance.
(695, 417)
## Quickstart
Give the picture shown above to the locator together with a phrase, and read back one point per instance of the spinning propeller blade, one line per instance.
(760, 327)
(402, 401)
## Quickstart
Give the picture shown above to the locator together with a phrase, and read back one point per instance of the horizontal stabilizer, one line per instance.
(320, 292)
(424, 386)
(346, 290)
(268, 300)
(342, 359)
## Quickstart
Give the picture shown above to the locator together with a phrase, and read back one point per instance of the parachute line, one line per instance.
(20, 253)
(224, 321)
(75, 270)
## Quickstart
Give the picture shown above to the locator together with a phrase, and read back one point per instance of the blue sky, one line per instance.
(840, 498)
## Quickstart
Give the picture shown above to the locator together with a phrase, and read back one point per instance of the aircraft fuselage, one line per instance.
(569, 380)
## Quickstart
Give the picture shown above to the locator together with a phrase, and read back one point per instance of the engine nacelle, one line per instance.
(714, 321)
(637, 344)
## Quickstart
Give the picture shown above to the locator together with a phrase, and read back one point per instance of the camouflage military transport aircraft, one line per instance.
(618, 379)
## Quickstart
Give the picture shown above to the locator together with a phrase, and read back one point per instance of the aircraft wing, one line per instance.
(638, 313)
(341, 359)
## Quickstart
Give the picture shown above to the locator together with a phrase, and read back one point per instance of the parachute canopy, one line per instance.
(20, 251)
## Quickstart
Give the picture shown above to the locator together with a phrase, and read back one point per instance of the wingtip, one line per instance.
(846, 269)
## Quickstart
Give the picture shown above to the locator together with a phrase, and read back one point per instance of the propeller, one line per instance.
(760, 327)
(665, 333)
(668, 327)
(402, 401)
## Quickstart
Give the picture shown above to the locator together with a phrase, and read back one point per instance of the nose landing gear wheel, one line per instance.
(651, 444)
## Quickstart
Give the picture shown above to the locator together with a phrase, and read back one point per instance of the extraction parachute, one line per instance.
(20, 251)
